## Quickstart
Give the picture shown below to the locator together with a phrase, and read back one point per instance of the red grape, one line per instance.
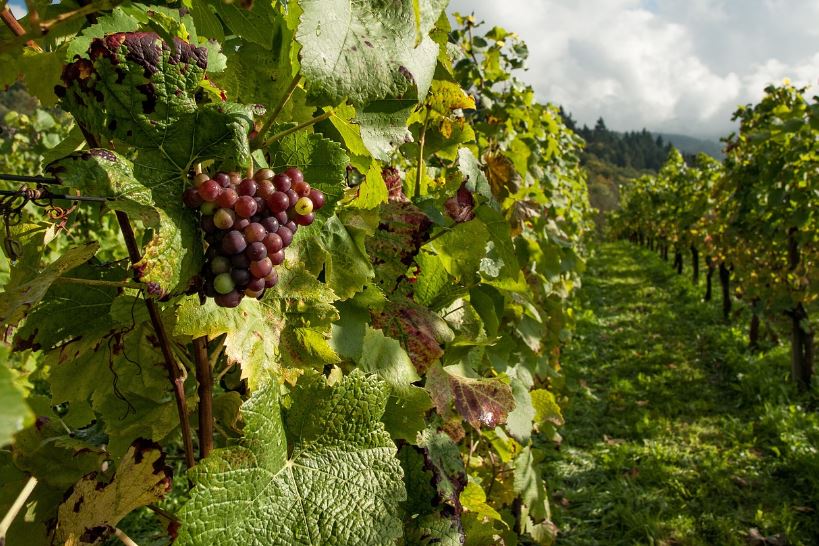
(256, 285)
(247, 187)
(286, 236)
(295, 174)
(227, 198)
(282, 182)
(210, 190)
(240, 276)
(265, 189)
(301, 188)
(255, 232)
(271, 280)
(278, 202)
(263, 174)
(273, 243)
(305, 220)
(277, 258)
(245, 206)
(293, 196)
(317, 197)
(262, 268)
(270, 224)
(223, 179)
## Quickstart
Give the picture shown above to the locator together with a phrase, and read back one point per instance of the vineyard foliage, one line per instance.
(755, 213)
(397, 386)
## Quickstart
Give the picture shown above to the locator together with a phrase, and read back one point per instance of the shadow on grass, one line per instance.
(674, 434)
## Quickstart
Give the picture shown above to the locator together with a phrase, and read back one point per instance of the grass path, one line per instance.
(674, 435)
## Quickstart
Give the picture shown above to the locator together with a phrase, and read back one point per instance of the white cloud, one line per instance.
(666, 65)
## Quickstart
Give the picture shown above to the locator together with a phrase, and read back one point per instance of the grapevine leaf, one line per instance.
(473, 498)
(546, 407)
(482, 402)
(206, 21)
(116, 21)
(461, 249)
(338, 482)
(500, 267)
(404, 415)
(14, 413)
(92, 508)
(433, 529)
(474, 177)
(372, 192)
(529, 484)
(520, 420)
(29, 529)
(41, 72)
(68, 310)
(172, 257)
(419, 330)
(38, 452)
(322, 161)
(134, 87)
(252, 333)
(432, 279)
(363, 51)
(447, 466)
(346, 268)
(16, 300)
(255, 24)
(383, 126)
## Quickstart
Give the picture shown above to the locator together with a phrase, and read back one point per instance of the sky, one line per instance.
(676, 66)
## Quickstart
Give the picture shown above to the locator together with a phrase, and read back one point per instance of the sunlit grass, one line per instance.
(675, 434)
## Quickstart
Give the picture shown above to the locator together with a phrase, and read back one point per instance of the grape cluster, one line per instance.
(248, 223)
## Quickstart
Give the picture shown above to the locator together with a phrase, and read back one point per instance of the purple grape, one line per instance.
(255, 232)
(278, 202)
(223, 179)
(270, 224)
(240, 276)
(229, 300)
(256, 251)
(247, 187)
(240, 261)
(233, 243)
(286, 236)
(192, 199)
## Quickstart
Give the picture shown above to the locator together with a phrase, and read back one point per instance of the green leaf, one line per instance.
(520, 420)
(372, 192)
(14, 413)
(338, 483)
(474, 176)
(17, 299)
(92, 509)
(252, 332)
(363, 51)
(347, 269)
(116, 21)
(444, 460)
(461, 249)
(174, 255)
(473, 498)
(206, 21)
(404, 415)
(255, 24)
(529, 484)
(546, 407)
(69, 310)
(383, 126)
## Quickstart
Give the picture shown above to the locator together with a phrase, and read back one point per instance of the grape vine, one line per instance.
(336, 252)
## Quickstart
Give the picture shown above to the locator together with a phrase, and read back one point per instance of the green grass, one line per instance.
(675, 434)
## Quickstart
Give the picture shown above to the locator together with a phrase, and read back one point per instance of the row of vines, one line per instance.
(388, 378)
(753, 217)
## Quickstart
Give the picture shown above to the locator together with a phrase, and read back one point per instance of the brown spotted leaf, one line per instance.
(500, 171)
(482, 402)
(420, 331)
(92, 509)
